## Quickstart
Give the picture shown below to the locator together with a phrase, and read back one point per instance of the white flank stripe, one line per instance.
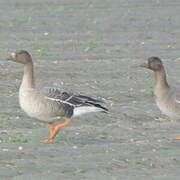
(177, 101)
(85, 109)
(59, 100)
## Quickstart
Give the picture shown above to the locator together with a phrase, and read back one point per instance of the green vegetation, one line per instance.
(54, 11)
(19, 137)
(91, 46)
(23, 20)
(150, 87)
(96, 21)
(134, 163)
(42, 51)
(63, 137)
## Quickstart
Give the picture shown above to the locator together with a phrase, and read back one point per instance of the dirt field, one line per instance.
(91, 47)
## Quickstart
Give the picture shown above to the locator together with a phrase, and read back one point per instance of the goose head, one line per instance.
(154, 64)
(21, 56)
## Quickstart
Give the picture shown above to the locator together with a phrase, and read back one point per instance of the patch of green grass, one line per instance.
(96, 21)
(150, 88)
(4, 122)
(56, 10)
(60, 9)
(101, 133)
(91, 46)
(134, 163)
(75, 171)
(35, 40)
(79, 171)
(42, 51)
(153, 124)
(19, 137)
(63, 137)
(23, 20)
(174, 154)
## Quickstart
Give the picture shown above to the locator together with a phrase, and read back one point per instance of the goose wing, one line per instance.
(66, 97)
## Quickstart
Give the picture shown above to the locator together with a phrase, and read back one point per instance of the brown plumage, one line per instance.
(50, 105)
(167, 98)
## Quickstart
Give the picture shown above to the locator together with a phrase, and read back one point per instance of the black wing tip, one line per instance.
(91, 99)
(93, 102)
(100, 106)
(105, 109)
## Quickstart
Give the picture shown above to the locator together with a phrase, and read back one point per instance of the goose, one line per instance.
(166, 97)
(51, 105)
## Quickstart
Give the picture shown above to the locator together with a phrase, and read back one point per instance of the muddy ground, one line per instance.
(91, 47)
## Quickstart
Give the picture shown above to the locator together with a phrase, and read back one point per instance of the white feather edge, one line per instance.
(177, 101)
(59, 100)
(78, 111)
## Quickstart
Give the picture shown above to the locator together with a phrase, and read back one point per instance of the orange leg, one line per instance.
(54, 130)
(177, 138)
